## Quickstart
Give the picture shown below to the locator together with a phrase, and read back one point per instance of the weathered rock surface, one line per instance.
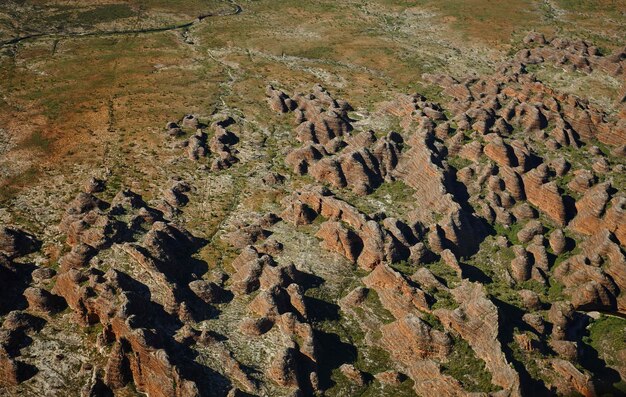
(477, 312)
(338, 238)
(103, 300)
(395, 292)
(378, 244)
(473, 244)
(42, 301)
(15, 242)
(362, 165)
(545, 196)
(410, 338)
(572, 380)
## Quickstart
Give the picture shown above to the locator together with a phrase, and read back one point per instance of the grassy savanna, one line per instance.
(362, 49)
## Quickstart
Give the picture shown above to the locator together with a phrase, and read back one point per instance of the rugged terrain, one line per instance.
(276, 198)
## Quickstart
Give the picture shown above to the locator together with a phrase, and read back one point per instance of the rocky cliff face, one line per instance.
(473, 245)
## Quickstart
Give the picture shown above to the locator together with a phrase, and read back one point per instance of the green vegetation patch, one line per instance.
(404, 267)
(464, 366)
(396, 191)
(608, 336)
(37, 142)
(106, 13)
(372, 301)
(443, 271)
(510, 233)
(458, 162)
